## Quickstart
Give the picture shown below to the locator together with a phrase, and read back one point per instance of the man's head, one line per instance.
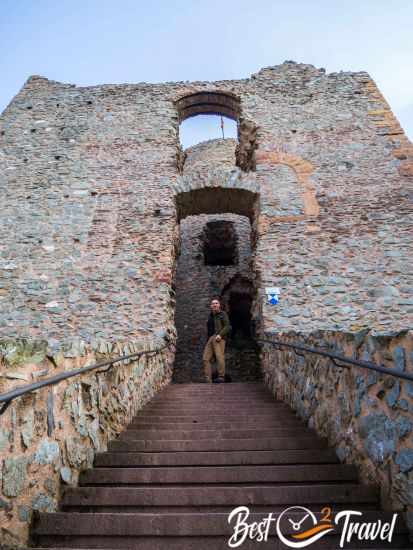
(215, 305)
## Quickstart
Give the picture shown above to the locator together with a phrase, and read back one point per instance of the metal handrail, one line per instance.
(336, 357)
(8, 397)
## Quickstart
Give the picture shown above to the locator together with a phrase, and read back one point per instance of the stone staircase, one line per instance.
(190, 456)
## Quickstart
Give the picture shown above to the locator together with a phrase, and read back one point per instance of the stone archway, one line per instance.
(217, 102)
(221, 204)
(216, 193)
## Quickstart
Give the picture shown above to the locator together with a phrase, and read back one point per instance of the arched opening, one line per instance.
(243, 352)
(238, 295)
(213, 115)
(240, 314)
(205, 116)
(215, 259)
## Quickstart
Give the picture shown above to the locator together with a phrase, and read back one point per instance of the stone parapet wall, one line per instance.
(48, 437)
(366, 416)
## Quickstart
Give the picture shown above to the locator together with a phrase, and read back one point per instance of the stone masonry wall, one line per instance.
(88, 227)
(366, 416)
(48, 437)
(87, 224)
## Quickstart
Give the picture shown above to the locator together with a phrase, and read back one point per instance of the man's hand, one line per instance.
(218, 338)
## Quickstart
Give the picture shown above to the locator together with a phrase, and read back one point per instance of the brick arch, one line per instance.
(303, 170)
(208, 102)
(218, 193)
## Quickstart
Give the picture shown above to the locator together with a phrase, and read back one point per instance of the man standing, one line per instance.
(218, 328)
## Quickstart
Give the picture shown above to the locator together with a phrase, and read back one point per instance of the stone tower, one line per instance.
(100, 205)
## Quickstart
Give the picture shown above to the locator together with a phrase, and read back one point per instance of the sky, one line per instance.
(87, 42)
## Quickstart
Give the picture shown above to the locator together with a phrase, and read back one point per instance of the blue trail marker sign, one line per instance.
(273, 294)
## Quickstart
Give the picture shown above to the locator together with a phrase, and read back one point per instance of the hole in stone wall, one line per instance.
(204, 116)
(206, 127)
(220, 243)
(218, 106)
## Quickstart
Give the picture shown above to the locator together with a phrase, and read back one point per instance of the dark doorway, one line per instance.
(240, 315)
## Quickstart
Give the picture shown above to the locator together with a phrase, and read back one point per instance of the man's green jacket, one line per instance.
(218, 323)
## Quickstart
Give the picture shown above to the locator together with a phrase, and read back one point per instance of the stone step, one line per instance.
(220, 474)
(205, 408)
(228, 496)
(214, 400)
(215, 390)
(278, 443)
(192, 455)
(205, 398)
(216, 425)
(219, 392)
(205, 417)
(193, 435)
(201, 387)
(193, 531)
(243, 412)
(208, 458)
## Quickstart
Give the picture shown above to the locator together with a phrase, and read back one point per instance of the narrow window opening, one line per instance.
(220, 243)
